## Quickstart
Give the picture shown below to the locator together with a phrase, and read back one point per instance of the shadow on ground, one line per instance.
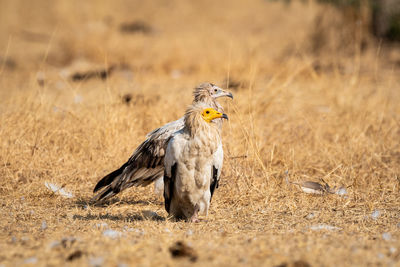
(82, 203)
(144, 215)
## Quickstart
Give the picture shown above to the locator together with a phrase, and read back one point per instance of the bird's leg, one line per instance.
(194, 217)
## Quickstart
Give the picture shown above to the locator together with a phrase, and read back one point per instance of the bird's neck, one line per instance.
(207, 99)
(196, 126)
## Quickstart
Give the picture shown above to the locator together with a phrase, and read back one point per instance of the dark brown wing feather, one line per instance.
(214, 181)
(169, 187)
(144, 167)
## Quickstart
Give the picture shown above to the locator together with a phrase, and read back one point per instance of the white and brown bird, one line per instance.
(190, 173)
(146, 163)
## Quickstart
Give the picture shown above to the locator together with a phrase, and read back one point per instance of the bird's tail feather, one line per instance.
(123, 178)
(104, 186)
(104, 194)
(108, 179)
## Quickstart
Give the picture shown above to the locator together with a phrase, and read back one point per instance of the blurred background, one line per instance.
(316, 96)
(56, 43)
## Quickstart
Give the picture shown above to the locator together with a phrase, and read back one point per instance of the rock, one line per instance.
(135, 27)
(74, 255)
(126, 98)
(180, 249)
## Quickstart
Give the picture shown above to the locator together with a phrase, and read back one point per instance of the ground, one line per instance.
(82, 83)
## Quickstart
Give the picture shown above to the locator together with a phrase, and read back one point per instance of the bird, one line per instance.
(146, 163)
(190, 175)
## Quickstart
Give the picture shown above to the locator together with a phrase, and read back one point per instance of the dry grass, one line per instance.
(334, 116)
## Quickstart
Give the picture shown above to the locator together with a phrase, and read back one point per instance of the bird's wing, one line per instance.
(143, 167)
(169, 182)
(172, 154)
(218, 159)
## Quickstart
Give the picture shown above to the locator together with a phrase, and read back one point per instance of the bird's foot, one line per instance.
(195, 215)
(195, 220)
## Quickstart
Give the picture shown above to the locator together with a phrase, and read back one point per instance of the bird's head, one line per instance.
(209, 90)
(210, 114)
(201, 116)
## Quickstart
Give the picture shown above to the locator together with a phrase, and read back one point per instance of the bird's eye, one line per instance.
(215, 90)
(208, 112)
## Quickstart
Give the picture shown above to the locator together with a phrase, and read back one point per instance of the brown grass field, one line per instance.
(315, 95)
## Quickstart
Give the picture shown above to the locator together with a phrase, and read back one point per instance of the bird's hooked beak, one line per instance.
(219, 115)
(210, 114)
(219, 92)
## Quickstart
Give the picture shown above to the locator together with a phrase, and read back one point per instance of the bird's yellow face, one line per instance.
(210, 114)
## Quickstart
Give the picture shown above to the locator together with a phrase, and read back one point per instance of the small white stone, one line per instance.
(375, 214)
(54, 244)
(78, 99)
(43, 226)
(324, 227)
(112, 234)
(310, 215)
(133, 230)
(31, 260)
(341, 191)
(386, 236)
(96, 261)
(189, 232)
